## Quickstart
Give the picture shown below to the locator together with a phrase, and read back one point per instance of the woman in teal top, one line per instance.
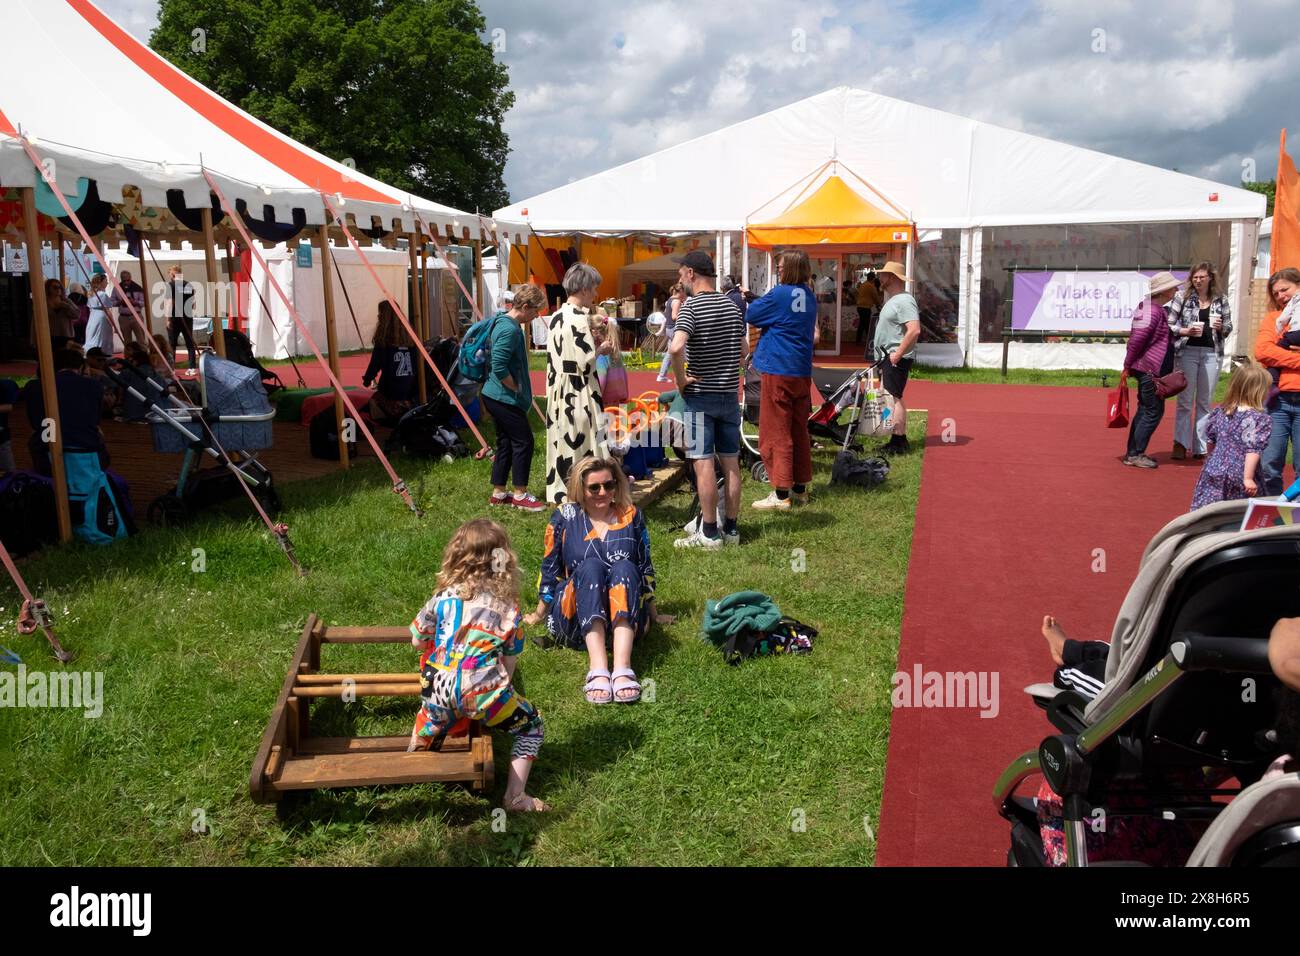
(507, 395)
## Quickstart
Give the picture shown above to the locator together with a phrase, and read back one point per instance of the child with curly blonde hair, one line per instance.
(470, 638)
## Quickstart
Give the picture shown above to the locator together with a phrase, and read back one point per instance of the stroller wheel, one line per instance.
(759, 471)
(168, 511)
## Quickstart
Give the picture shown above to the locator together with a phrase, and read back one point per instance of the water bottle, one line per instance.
(1292, 493)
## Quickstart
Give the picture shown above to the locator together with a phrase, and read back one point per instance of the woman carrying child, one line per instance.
(1201, 320)
(1239, 430)
(1284, 409)
(470, 641)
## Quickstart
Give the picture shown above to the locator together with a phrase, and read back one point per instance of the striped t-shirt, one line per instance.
(714, 332)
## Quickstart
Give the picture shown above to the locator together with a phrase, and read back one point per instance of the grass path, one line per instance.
(774, 762)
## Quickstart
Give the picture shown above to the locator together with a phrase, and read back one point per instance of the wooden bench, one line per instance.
(291, 759)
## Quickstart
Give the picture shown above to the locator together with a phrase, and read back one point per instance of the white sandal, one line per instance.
(590, 687)
(634, 686)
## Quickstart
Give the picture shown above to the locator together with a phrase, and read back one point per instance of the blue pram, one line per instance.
(235, 415)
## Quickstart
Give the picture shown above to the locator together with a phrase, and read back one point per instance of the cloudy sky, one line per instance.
(1201, 86)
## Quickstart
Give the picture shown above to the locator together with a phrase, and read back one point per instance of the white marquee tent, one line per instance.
(947, 172)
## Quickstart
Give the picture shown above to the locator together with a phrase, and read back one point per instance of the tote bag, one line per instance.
(1117, 412)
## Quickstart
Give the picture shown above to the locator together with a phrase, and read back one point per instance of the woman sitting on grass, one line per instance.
(470, 640)
(597, 576)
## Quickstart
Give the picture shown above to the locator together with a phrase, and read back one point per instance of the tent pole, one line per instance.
(210, 306)
(45, 360)
(417, 313)
(744, 256)
(911, 259)
(331, 338)
(479, 298)
(144, 284)
(63, 259)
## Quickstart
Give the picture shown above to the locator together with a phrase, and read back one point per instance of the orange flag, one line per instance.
(1285, 249)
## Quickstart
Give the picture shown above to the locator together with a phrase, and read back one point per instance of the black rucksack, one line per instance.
(853, 469)
(323, 435)
(27, 517)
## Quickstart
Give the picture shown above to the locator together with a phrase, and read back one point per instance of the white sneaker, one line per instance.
(731, 539)
(697, 539)
(772, 503)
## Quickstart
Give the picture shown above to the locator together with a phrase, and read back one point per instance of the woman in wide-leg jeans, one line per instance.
(1286, 428)
(1201, 320)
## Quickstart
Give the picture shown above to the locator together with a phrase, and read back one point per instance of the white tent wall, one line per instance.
(307, 293)
(277, 336)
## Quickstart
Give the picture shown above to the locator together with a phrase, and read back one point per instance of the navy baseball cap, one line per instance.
(698, 260)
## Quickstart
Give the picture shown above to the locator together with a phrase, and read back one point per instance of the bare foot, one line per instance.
(523, 803)
(1055, 638)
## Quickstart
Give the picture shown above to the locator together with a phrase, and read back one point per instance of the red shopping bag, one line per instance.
(1117, 405)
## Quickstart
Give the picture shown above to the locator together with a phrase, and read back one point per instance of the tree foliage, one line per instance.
(405, 89)
(1267, 189)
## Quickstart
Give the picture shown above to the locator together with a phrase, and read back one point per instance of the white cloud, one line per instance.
(1195, 85)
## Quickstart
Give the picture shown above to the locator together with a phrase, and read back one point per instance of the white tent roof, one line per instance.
(168, 126)
(946, 170)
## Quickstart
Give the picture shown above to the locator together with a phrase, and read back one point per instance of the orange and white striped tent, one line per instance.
(165, 129)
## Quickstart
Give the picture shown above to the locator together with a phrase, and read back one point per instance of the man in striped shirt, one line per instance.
(710, 338)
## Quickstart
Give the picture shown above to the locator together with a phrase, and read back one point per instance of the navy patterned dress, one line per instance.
(585, 578)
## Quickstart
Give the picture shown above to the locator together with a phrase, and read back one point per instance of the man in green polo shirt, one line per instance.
(897, 330)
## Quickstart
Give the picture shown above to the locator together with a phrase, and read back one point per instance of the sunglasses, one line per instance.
(605, 486)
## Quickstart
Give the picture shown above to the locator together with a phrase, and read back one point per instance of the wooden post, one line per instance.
(417, 314)
(45, 360)
(331, 337)
(144, 284)
(210, 258)
(63, 259)
(479, 298)
(429, 316)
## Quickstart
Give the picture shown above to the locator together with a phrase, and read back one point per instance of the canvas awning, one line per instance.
(173, 129)
(834, 214)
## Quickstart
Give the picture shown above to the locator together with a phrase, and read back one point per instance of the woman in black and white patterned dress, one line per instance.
(573, 402)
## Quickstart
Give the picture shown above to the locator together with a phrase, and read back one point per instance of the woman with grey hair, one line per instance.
(573, 402)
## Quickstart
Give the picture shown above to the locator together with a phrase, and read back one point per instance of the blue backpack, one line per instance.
(97, 514)
(476, 350)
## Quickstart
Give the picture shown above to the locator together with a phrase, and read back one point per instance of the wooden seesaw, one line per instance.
(291, 759)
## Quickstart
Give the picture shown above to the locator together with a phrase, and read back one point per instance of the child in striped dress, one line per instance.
(470, 640)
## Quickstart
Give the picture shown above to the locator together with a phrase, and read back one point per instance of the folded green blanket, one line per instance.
(288, 401)
(744, 610)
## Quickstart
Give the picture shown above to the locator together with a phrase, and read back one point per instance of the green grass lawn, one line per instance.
(774, 762)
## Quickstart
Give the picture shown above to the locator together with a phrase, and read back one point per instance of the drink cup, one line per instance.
(1197, 329)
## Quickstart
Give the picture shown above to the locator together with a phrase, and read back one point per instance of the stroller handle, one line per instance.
(1236, 655)
(265, 417)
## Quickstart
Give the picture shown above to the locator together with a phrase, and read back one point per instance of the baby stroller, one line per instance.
(235, 414)
(425, 431)
(1188, 706)
(855, 405)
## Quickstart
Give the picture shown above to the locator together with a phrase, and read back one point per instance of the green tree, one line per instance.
(405, 89)
(1267, 189)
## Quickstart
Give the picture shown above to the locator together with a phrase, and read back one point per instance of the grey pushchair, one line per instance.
(1188, 714)
(234, 417)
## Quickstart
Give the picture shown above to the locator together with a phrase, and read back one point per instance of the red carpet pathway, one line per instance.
(1011, 518)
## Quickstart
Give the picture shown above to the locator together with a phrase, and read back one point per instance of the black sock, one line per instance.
(710, 529)
(729, 526)
(797, 489)
(782, 494)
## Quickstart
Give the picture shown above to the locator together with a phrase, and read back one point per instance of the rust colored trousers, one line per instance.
(783, 440)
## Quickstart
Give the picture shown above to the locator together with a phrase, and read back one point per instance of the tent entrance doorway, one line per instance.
(840, 332)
